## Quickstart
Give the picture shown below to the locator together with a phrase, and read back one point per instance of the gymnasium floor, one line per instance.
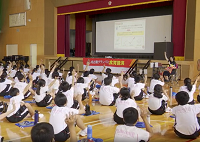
(103, 124)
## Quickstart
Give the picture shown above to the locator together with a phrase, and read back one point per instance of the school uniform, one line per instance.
(69, 79)
(138, 92)
(5, 87)
(153, 83)
(190, 93)
(21, 86)
(80, 89)
(93, 76)
(130, 81)
(35, 75)
(13, 72)
(26, 70)
(55, 86)
(121, 106)
(57, 120)
(156, 105)
(20, 112)
(108, 95)
(43, 99)
(70, 97)
(124, 133)
(186, 122)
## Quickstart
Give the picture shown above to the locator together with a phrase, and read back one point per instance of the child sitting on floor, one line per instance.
(131, 79)
(59, 114)
(155, 81)
(187, 117)
(124, 101)
(129, 132)
(190, 89)
(107, 93)
(138, 89)
(5, 84)
(157, 102)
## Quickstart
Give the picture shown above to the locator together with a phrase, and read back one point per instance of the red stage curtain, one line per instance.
(67, 35)
(61, 34)
(80, 37)
(179, 19)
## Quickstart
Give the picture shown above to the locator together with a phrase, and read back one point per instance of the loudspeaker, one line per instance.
(160, 48)
(27, 5)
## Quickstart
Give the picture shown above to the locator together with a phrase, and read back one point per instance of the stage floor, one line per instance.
(103, 124)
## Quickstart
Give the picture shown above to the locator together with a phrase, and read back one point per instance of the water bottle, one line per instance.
(89, 132)
(36, 117)
(170, 92)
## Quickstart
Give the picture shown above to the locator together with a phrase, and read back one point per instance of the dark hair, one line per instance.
(17, 74)
(20, 77)
(138, 79)
(110, 75)
(133, 74)
(108, 70)
(42, 65)
(21, 68)
(187, 83)
(182, 97)
(42, 132)
(158, 91)
(40, 83)
(14, 67)
(57, 69)
(37, 67)
(107, 81)
(91, 71)
(125, 93)
(13, 92)
(71, 69)
(60, 99)
(130, 115)
(156, 76)
(86, 74)
(26, 66)
(80, 80)
(64, 86)
(3, 77)
(34, 70)
(55, 74)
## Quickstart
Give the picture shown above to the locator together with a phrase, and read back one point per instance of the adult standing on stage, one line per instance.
(171, 69)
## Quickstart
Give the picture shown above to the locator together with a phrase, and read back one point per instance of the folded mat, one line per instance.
(93, 139)
(141, 125)
(172, 116)
(25, 124)
(7, 97)
(30, 102)
(92, 113)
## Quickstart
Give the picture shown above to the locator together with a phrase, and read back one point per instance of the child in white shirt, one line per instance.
(60, 112)
(5, 84)
(131, 79)
(129, 132)
(155, 81)
(92, 74)
(190, 89)
(187, 117)
(138, 89)
(157, 102)
(107, 93)
(123, 101)
(55, 86)
(43, 97)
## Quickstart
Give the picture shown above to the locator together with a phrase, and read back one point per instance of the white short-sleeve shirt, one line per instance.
(35, 75)
(153, 83)
(106, 94)
(87, 80)
(58, 116)
(79, 88)
(69, 79)
(21, 86)
(13, 72)
(190, 93)
(17, 100)
(123, 104)
(4, 84)
(130, 81)
(155, 103)
(137, 88)
(55, 86)
(186, 118)
(43, 93)
(125, 133)
(93, 76)
(70, 97)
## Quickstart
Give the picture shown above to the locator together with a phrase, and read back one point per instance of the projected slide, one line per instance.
(129, 35)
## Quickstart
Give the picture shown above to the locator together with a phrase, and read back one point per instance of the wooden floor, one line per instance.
(103, 124)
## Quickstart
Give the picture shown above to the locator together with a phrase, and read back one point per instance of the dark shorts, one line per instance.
(159, 111)
(140, 96)
(45, 102)
(115, 95)
(5, 92)
(75, 105)
(167, 73)
(62, 136)
(19, 115)
(118, 119)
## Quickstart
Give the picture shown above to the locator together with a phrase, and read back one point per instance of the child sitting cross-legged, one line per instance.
(187, 117)
(129, 132)
(123, 101)
(60, 112)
